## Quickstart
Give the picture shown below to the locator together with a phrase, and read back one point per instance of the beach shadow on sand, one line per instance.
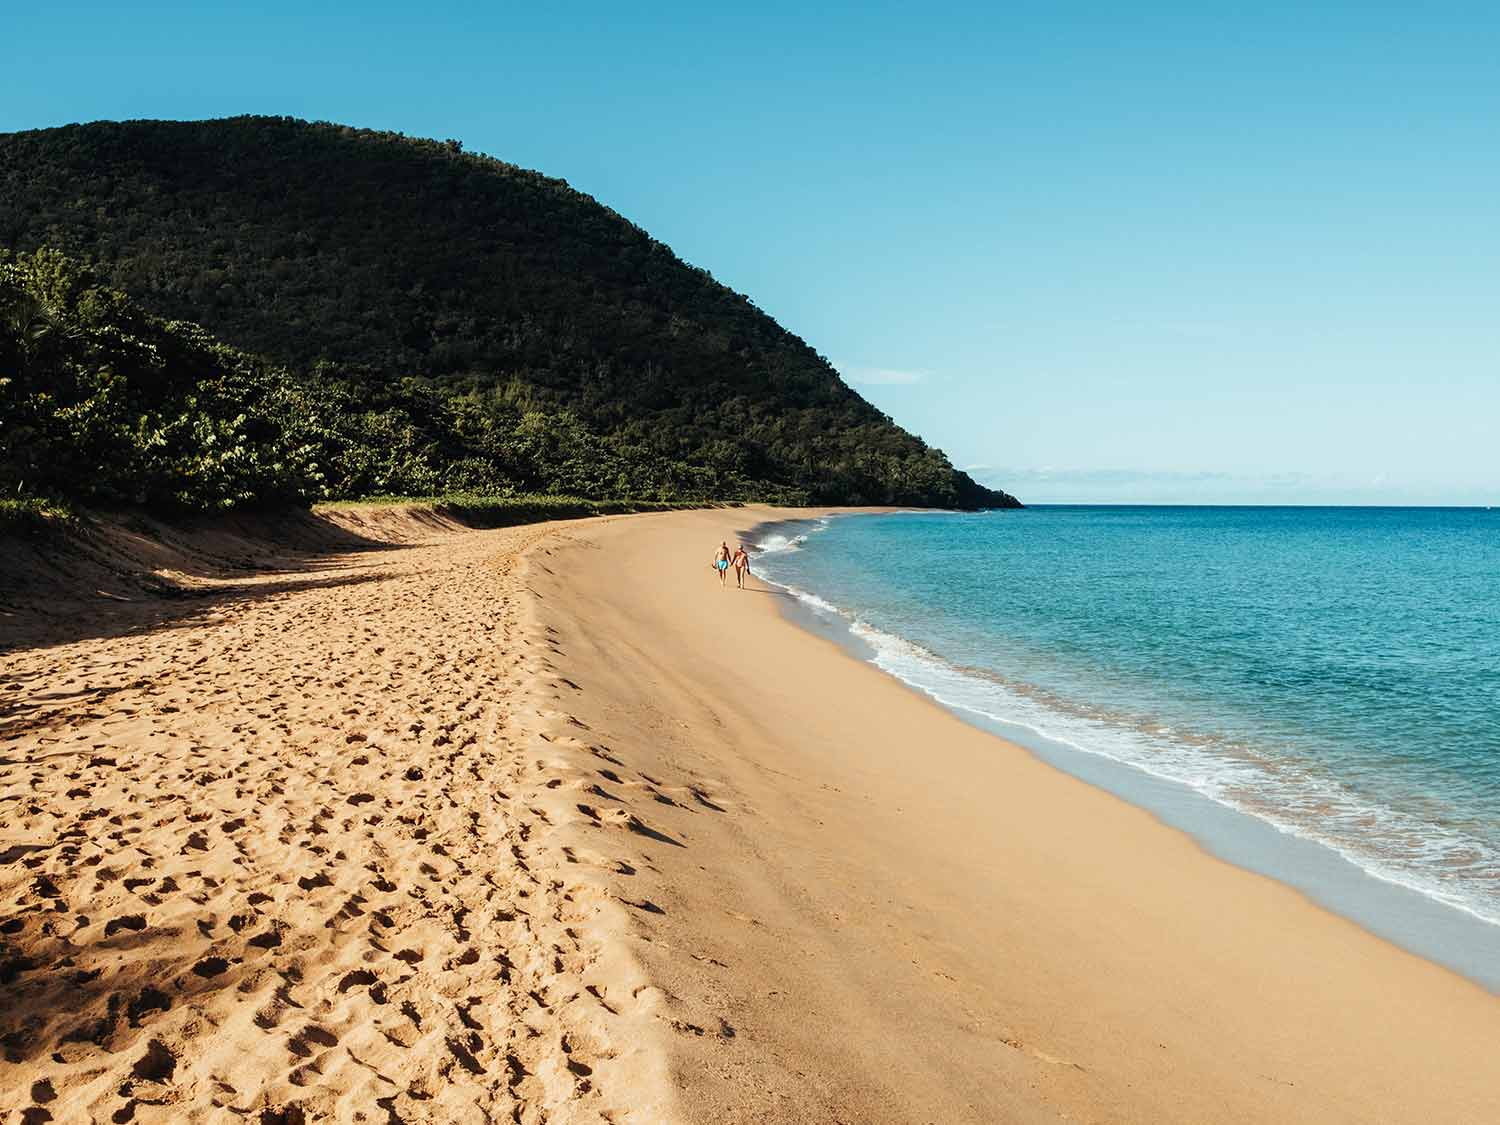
(110, 576)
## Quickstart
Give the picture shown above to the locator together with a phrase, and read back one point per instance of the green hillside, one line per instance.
(461, 319)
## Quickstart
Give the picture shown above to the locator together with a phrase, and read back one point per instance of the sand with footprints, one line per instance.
(298, 855)
(370, 817)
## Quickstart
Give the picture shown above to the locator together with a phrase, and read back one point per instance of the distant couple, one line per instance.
(723, 560)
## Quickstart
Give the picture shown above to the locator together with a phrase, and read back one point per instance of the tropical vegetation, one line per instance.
(260, 311)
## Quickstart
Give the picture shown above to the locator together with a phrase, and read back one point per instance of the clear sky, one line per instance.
(1201, 252)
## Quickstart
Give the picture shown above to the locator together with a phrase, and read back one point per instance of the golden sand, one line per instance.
(542, 825)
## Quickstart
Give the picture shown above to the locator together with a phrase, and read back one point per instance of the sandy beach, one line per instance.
(418, 823)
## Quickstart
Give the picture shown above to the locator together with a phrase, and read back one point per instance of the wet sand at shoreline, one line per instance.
(907, 919)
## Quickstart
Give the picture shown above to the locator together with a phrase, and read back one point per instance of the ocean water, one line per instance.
(1333, 673)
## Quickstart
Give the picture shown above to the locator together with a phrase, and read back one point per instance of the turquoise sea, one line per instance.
(1333, 673)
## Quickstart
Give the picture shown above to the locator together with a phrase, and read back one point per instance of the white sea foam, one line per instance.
(1442, 863)
(814, 602)
(775, 543)
(780, 540)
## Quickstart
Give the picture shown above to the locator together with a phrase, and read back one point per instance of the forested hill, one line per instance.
(396, 270)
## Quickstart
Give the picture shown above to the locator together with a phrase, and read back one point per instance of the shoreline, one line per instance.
(396, 817)
(865, 906)
(1442, 933)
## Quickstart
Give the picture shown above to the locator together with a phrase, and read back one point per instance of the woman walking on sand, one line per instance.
(721, 562)
(741, 563)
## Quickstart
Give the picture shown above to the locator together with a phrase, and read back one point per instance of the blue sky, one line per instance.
(1151, 252)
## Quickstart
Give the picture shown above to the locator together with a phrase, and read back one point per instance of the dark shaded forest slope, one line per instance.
(454, 305)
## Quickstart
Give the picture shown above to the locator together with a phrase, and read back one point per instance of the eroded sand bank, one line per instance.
(540, 824)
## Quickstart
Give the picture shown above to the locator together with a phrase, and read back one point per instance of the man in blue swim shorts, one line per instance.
(721, 563)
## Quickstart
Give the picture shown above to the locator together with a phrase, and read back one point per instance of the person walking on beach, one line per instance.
(721, 562)
(741, 563)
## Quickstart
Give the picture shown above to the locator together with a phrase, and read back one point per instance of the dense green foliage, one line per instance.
(484, 510)
(32, 513)
(432, 320)
(104, 404)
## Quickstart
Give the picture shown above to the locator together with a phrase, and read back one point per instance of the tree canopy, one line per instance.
(391, 315)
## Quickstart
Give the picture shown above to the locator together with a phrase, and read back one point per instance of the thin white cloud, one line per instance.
(882, 376)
